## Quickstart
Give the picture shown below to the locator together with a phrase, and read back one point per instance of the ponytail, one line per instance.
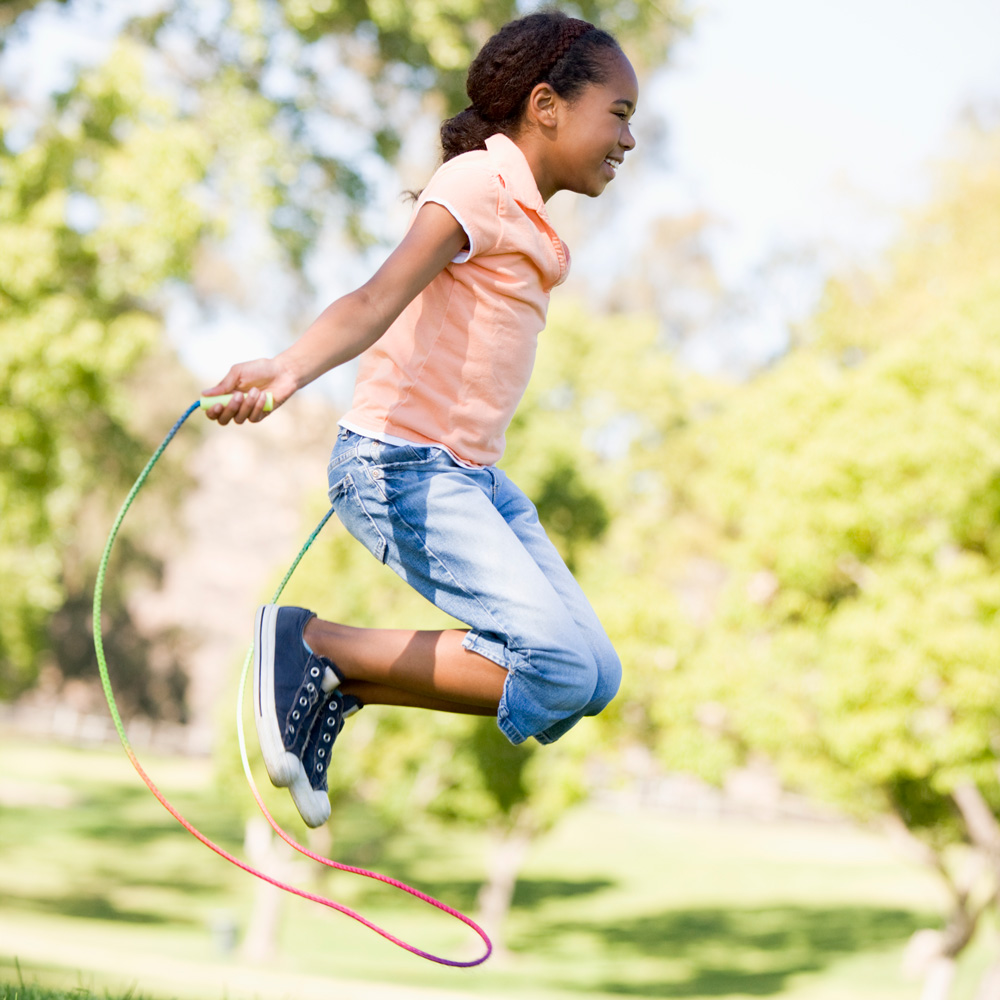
(467, 130)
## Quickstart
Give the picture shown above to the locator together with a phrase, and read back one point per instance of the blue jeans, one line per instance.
(470, 541)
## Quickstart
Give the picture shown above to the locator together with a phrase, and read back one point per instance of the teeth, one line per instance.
(615, 164)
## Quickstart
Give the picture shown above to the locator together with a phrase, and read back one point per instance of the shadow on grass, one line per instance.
(90, 906)
(532, 892)
(717, 952)
(463, 893)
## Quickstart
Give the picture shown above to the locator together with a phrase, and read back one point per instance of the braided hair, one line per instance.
(548, 47)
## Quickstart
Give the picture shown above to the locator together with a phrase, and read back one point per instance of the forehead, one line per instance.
(620, 81)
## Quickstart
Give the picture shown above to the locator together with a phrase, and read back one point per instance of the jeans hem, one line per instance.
(496, 652)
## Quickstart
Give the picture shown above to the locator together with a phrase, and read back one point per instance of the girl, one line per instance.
(447, 329)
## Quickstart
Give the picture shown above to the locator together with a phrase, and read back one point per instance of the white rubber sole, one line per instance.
(283, 768)
(313, 806)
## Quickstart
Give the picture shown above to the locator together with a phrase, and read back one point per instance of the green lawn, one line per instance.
(101, 890)
(20, 990)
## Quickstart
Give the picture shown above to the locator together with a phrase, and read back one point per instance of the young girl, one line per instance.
(447, 328)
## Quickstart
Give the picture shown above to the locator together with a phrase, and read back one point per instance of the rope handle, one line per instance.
(207, 402)
(204, 403)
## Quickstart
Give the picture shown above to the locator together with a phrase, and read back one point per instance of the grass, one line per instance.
(101, 891)
(23, 992)
(32, 991)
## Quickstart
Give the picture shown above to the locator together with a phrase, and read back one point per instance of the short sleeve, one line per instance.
(469, 188)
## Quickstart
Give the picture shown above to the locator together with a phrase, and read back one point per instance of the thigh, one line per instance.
(522, 517)
(438, 526)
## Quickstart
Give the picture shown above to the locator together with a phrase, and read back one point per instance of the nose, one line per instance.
(626, 140)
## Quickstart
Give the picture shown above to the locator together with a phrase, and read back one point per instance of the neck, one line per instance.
(534, 147)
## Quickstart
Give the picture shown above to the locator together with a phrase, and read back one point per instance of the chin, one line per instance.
(592, 190)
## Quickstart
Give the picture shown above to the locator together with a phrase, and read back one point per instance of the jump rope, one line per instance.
(205, 403)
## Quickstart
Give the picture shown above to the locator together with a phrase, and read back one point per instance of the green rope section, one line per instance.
(106, 557)
(102, 570)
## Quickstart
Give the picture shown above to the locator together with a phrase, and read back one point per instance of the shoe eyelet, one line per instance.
(296, 715)
(327, 738)
(311, 688)
(314, 672)
(303, 700)
(321, 753)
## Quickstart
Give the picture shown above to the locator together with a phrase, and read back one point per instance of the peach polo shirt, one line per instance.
(453, 367)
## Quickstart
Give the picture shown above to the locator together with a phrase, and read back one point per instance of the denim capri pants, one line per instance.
(470, 541)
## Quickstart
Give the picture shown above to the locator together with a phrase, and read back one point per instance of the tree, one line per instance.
(848, 504)
(96, 212)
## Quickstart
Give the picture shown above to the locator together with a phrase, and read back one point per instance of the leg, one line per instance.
(392, 663)
(461, 538)
(375, 694)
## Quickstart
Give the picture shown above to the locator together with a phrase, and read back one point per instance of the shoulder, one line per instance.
(474, 171)
(469, 187)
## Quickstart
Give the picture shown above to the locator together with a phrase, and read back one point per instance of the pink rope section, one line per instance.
(395, 883)
(313, 898)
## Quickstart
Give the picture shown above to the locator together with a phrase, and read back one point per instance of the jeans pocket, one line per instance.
(354, 516)
(403, 456)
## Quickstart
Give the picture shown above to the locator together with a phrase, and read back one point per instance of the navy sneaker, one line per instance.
(309, 789)
(290, 689)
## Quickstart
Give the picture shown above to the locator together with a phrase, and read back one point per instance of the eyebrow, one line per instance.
(624, 100)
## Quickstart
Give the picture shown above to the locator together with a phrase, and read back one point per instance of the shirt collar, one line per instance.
(512, 166)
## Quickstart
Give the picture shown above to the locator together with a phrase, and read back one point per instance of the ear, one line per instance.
(542, 107)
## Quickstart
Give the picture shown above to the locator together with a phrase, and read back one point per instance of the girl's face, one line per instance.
(592, 132)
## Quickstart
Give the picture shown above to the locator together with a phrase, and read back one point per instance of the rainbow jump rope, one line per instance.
(205, 403)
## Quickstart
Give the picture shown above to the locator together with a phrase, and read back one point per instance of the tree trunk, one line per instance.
(264, 852)
(940, 976)
(989, 985)
(497, 893)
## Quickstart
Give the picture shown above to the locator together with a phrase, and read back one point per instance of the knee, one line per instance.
(608, 680)
(595, 681)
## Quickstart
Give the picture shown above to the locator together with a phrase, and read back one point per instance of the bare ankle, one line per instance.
(320, 637)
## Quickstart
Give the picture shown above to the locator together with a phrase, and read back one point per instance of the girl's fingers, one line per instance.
(258, 413)
(224, 414)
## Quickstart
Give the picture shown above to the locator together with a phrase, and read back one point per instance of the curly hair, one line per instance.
(548, 47)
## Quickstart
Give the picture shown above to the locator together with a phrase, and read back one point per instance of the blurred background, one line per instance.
(764, 429)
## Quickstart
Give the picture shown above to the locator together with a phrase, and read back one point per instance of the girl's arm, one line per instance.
(348, 326)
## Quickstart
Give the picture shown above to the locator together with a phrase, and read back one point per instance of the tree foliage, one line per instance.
(852, 497)
(96, 213)
(833, 537)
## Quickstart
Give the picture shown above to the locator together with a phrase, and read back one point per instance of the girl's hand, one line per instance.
(249, 381)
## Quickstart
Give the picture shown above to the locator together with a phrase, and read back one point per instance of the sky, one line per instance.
(808, 123)
(801, 127)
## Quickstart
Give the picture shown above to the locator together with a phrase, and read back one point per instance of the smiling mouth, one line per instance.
(613, 163)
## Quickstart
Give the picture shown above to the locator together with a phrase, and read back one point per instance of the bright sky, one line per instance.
(792, 122)
(813, 122)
